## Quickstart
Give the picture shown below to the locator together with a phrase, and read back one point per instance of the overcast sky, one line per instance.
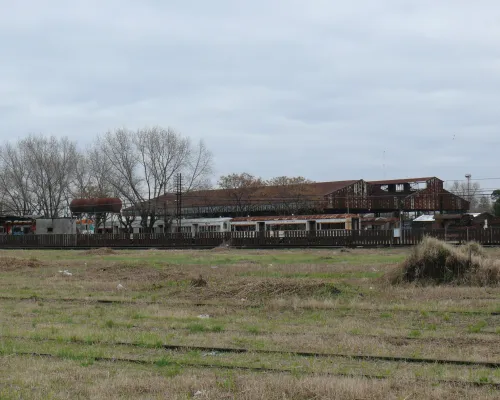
(316, 88)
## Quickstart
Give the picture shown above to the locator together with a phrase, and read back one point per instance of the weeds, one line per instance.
(254, 330)
(478, 327)
(196, 328)
(164, 362)
(436, 262)
(110, 324)
(216, 328)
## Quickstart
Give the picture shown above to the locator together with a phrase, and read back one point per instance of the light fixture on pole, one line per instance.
(468, 176)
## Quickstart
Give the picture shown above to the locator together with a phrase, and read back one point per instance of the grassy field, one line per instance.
(239, 324)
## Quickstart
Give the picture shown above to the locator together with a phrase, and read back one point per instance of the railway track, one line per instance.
(159, 363)
(236, 305)
(212, 349)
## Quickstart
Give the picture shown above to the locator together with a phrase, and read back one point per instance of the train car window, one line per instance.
(287, 227)
(208, 228)
(243, 228)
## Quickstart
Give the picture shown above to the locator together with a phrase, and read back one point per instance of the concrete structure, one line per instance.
(55, 226)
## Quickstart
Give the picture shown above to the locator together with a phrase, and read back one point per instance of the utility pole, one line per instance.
(468, 176)
(178, 194)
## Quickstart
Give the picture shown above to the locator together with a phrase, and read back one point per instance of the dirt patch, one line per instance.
(13, 263)
(102, 251)
(269, 288)
(224, 246)
(198, 282)
(396, 341)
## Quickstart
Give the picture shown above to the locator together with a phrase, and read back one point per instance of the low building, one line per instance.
(55, 226)
(379, 223)
(395, 196)
(424, 221)
(450, 221)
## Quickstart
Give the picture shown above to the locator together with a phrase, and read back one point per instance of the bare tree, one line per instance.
(285, 194)
(90, 181)
(287, 181)
(143, 166)
(36, 173)
(292, 194)
(468, 192)
(484, 204)
(15, 181)
(241, 190)
(52, 164)
(198, 169)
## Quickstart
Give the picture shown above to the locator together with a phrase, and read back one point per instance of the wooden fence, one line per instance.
(329, 238)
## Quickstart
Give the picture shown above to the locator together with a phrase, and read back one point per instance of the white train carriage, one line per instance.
(280, 225)
(202, 225)
(276, 226)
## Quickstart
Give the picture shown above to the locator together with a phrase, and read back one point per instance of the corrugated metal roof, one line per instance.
(379, 219)
(424, 218)
(258, 195)
(474, 214)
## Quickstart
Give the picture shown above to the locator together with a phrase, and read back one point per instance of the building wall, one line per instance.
(55, 226)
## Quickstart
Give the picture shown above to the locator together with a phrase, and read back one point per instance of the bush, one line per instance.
(473, 248)
(436, 262)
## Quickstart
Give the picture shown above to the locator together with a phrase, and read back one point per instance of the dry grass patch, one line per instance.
(436, 262)
(255, 300)
(8, 264)
(101, 251)
(37, 378)
(269, 288)
(129, 272)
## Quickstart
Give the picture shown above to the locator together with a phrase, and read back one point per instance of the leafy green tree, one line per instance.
(495, 196)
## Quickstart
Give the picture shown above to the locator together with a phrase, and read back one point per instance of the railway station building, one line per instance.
(387, 198)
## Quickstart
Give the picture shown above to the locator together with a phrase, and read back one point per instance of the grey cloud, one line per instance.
(318, 88)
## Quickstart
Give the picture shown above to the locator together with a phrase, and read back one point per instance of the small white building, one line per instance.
(55, 226)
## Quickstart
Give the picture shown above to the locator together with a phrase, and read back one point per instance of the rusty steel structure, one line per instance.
(97, 205)
(397, 195)
(425, 194)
